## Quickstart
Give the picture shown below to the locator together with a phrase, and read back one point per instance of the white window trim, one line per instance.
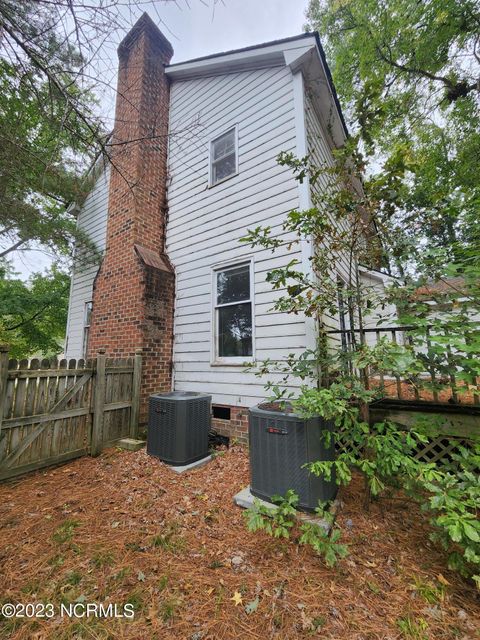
(233, 361)
(212, 184)
(86, 327)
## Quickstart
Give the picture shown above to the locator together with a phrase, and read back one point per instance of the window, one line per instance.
(87, 314)
(223, 157)
(233, 313)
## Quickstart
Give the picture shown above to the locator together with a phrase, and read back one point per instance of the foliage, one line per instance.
(45, 142)
(412, 629)
(335, 376)
(407, 73)
(454, 501)
(34, 313)
(280, 522)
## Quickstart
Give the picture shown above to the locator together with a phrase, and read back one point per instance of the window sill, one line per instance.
(212, 186)
(231, 363)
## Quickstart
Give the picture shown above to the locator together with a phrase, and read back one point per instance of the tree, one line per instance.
(408, 74)
(51, 128)
(34, 313)
(45, 144)
(340, 379)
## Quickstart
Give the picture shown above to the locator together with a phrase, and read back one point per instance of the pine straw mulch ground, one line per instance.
(124, 528)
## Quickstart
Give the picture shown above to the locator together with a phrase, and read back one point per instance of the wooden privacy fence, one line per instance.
(52, 411)
(437, 383)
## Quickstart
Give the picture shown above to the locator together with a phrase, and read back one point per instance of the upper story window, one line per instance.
(233, 313)
(224, 157)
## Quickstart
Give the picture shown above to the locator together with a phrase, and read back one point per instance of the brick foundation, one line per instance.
(133, 299)
(235, 428)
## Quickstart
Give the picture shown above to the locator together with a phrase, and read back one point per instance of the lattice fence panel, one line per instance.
(435, 450)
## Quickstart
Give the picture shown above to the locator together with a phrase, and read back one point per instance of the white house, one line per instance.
(228, 115)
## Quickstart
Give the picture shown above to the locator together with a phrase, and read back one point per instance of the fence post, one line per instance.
(3, 380)
(136, 385)
(98, 404)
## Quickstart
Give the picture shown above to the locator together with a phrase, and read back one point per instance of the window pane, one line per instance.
(88, 312)
(224, 145)
(233, 285)
(223, 168)
(235, 330)
(85, 342)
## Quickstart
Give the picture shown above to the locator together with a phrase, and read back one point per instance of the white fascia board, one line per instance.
(296, 58)
(316, 81)
(273, 55)
(377, 275)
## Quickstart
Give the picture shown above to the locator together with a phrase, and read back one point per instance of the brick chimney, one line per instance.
(133, 299)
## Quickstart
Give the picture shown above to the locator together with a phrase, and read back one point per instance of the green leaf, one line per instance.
(252, 606)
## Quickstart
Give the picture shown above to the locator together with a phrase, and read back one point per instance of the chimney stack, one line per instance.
(133, 299)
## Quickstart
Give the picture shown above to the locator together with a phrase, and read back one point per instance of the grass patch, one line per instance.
(163, 582)
(64, 533)
(412, 629)
(169, 540)
(73, 578)
(102, 558)
(169, 607)
(428, 591)
(136, 599)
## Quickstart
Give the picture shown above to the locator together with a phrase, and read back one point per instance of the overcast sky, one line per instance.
(195, 28)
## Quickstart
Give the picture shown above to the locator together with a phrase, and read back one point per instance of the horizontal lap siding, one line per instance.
(92, 219)
(321, 155)
(205, 225)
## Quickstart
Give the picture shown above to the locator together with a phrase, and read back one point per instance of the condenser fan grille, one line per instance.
(178, 427)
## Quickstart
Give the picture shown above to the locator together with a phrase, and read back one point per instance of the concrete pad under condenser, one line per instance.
(131, 444)
(244, 499)
(192, 465)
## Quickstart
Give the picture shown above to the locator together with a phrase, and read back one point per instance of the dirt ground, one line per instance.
(123, 528)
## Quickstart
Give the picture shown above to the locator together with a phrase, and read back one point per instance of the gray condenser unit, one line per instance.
(178, 426)
(280, 444)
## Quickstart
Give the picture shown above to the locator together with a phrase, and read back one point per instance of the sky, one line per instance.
(194, 28)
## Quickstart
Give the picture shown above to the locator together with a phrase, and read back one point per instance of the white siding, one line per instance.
(205, 224)
(92, 219)
(321, 156)
(384, 314)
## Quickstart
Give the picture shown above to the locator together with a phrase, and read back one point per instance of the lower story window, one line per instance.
(87, 314)
(233, 312)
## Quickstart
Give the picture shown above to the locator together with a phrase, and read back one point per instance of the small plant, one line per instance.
(169, 607)
(280, 522)
(136, 599)
(56, 561)
(216, 564)
(324, 545)
(102, 558)
(277, 522)
(65, 531)
(412, 629)
(74, 578)
(428, 591)
(163, 582)
(169, 540)
(454, 502)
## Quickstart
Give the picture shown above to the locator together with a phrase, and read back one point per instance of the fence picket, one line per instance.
(50, 413)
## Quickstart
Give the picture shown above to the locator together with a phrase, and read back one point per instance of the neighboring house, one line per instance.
(384, 315)
(194, 166)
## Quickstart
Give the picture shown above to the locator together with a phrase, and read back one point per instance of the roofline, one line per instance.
(376, 272)
(242, 49)
(263, 45)
(330, 80)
